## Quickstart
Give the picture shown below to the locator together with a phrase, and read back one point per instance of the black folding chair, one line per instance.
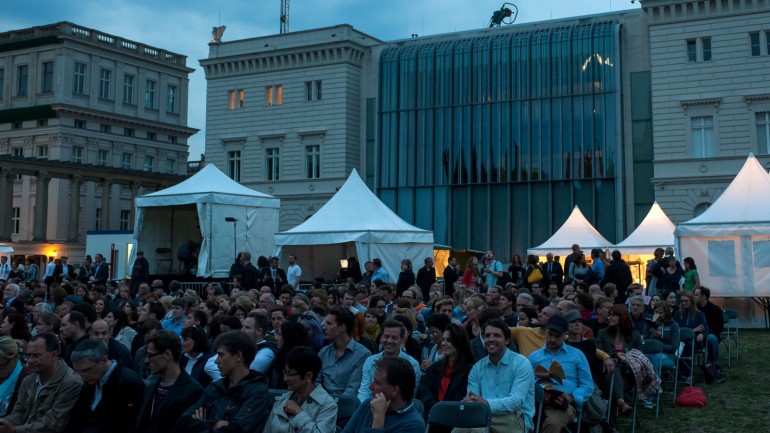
(458, 414)
(346, 407)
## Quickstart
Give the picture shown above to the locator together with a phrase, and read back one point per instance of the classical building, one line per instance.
(490, 137)
(88, 121)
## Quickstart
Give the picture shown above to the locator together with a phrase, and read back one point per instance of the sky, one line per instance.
(184, 27)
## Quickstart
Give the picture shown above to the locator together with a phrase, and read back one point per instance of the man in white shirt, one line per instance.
(5, 268)
(293, 272)
(49, 268)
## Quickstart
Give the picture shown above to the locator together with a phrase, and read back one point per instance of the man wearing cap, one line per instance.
(140, 273)
(273, 276)
(577, 384)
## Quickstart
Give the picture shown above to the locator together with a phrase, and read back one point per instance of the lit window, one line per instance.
(313, 161)
(46, 84)
(273, 163)
(77, 155)
(22, 80)
(763, 132)
(702, 129)
(79, 82)
(274, 95)
(234, 165)
(105, 76)
(149, 94)
(128, 89)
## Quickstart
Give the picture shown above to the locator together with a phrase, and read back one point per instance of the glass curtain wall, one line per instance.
(490, 141)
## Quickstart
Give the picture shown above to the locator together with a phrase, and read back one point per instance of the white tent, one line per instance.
(6, 249)
(655, 230)
(576, 230)
(730, 241)
(196, 210)
(354, 223)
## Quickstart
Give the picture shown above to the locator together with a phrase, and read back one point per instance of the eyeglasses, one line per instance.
(290, 373)
(151, 355)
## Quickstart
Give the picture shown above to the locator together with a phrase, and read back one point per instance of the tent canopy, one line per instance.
(354, 220)
(655, 230)
(730, 241)
(196, 210)
(576, 230)
(6, 249)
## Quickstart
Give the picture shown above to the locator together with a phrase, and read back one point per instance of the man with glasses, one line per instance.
(170, 390)
(111, 396)
(46, 396)
(342, 360)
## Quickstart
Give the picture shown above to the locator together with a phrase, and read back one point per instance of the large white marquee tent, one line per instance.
(196, 210)
(575, 230)
(656, 230)
(354, 222)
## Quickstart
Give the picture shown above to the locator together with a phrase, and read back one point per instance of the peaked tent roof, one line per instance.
(209, 185)
(655, 230)
(355, 211)
(576, 230)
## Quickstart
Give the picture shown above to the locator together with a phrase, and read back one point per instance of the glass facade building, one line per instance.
(490, 140)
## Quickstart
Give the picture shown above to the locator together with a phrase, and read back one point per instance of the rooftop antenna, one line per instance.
(505, 15)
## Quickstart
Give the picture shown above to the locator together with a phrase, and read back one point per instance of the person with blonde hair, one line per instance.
(12, 371)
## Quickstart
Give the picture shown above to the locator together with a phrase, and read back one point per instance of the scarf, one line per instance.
(373, 331)
(7, 387)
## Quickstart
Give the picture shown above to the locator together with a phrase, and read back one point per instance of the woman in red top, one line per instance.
(447, 378)
(472, 276)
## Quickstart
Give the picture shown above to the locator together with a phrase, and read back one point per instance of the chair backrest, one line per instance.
(686, 334)
(460, 414)
(731, 314)
(346, 406)
(418, 406)
(725, 317)
(651, 346)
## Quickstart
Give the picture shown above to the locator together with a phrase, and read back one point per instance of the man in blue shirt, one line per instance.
(392, 340)
(391, 408)
(492, 269)
(577, 384)
(343, 359)
(176, 321)
(379, 273)
(503, 381)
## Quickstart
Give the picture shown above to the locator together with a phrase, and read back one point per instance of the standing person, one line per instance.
(49, 270)
(619, 274)
(691, 277)
(31, 272)
(140, 272)
(406, 278)
(503, 381)
(101, 271)
(306, 408)
(669, 276)
(451, 275)
(343, 359)
(492, 270)
(110, 396)
(236, 403)
(426, 277)
(46, 396)
(570, 259)
(293, 272)
(366, 277)
(517, 270)
(597, 266)
(64, 270)
(249, 274)
(170, 390)
(472, 275)
(534, 274)
(5, 269)
(552, 271)
(272, 276)
(379, 272)
(651, 277)
(390, 410)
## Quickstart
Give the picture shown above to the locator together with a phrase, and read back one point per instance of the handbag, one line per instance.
(535, 276)
(691, 396)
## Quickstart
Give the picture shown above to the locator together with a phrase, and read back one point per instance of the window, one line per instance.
(235, 99)
(79, 83)
(98, 219)
(46, 83)
(77, 155)
(151, 135)
(105, 75)
(128, 132)
(318, 90)
(128, 89)
(706, 48)
(313, 161)
(308, 90)
(17, 125)
(767, 42)
(149, 161)
(171, 99)
(172, 139)
(692, 53)
(17, 151)
(105, 128)
(273, 163)
(149, 94)
(101, 157)
(16, 218)
(274, 95)
(754, 40)
(2, 82)
(313, 89)
(702, 129)
(234, 165)
(127, 161)
(125, 216)
(22, 80)
(171, 166)
(42, 152)
(763, 132)
(80, 124)
(42, 122)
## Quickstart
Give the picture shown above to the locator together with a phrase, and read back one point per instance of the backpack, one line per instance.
(713, 373)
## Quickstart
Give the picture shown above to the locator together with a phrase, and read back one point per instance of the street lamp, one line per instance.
(235, 248)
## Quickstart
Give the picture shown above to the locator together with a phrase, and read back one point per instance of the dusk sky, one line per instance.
(184, 27)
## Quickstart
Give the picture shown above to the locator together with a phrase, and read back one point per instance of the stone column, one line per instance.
(41, 207)
(6, 205)
(106, 186)
(73, 230)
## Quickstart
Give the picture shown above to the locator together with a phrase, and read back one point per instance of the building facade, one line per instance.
(88, 121)
(711, 101)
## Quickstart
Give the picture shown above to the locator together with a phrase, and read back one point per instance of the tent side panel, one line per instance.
(392, 254)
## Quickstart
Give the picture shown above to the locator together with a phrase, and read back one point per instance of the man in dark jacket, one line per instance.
(140, 273)
(451, 275)
(248, 273)
(272, 276)
(426, 276)
(619, 274)
(239, 401)
(170, 390)
(111, 394)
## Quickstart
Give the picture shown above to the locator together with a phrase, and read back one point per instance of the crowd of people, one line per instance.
(80, 353)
